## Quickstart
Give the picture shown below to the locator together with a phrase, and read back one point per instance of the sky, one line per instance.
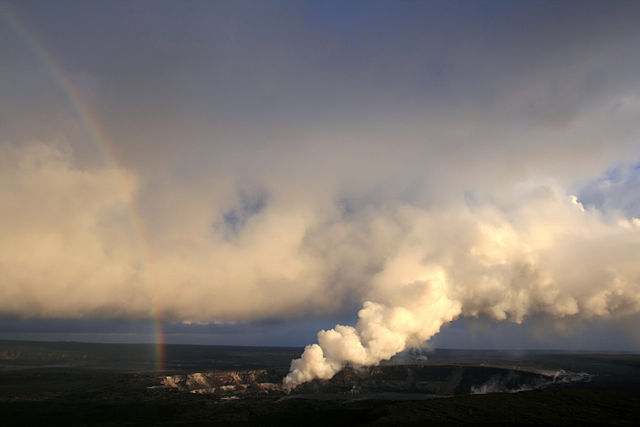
(252, 172)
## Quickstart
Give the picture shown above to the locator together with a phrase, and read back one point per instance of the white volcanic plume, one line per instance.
(381, 332)
(545, 254)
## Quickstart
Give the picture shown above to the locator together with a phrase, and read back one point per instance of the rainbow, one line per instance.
(97, 134)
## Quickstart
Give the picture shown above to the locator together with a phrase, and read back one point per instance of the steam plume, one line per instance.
(550, 255)
(380, 333)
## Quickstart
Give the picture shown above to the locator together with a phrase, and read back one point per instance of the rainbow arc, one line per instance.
(99, 137)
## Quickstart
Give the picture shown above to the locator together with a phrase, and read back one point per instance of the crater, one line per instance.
(387, 381)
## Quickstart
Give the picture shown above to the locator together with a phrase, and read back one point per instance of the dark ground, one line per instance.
(99, 384)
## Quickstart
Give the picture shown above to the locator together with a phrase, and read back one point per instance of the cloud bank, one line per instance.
(534, 248)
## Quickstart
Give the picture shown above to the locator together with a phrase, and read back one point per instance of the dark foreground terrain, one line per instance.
(100, 384)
